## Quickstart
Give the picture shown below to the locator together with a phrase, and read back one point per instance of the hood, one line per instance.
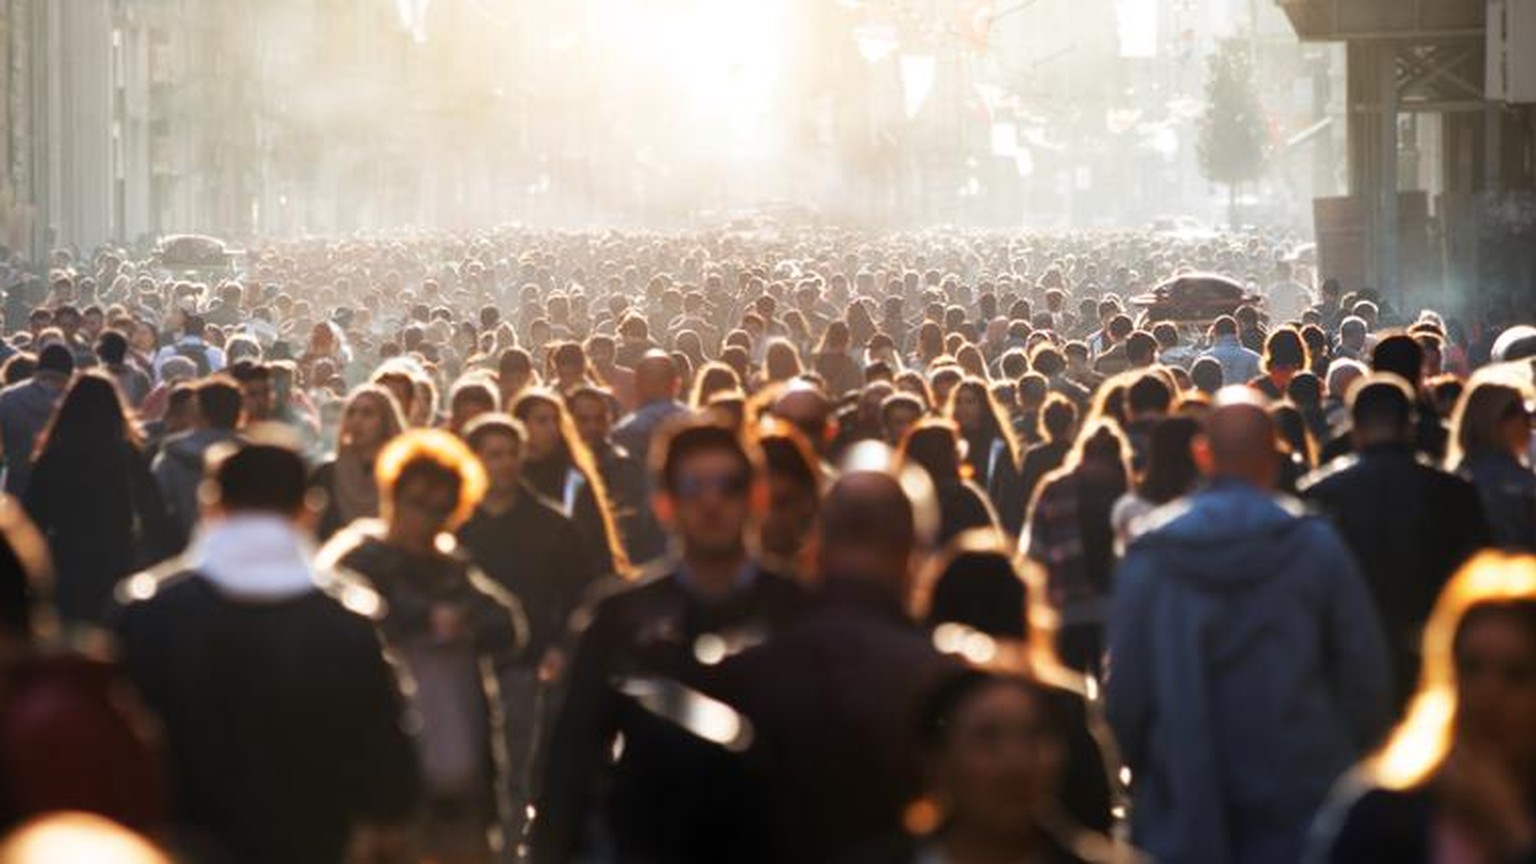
(254, 556)
(1226, 536)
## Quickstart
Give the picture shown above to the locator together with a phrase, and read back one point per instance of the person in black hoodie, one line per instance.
(1409, 524)
(285, 721)
(640, 663)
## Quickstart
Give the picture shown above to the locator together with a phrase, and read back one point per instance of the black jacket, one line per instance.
(541, 556)
(284, 719)
(670, 795)
(1410, 526)
(834, 701)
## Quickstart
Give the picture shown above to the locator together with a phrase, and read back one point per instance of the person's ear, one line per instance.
(665, 510)
(1200, 450)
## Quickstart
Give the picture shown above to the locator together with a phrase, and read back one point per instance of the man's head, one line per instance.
(804, 406)
(1239, 439)
(1399, 355)
(219, 403)
(1381, 409)
(592, 411)
(708, 490)
(257, 478)
(868, 533)
(656, 378)
(255, 380)
(497, 440)
(57, 360)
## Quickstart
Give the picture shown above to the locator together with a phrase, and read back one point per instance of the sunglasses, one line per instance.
(726, 486)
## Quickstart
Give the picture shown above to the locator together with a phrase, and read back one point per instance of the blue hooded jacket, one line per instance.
(1247, 672)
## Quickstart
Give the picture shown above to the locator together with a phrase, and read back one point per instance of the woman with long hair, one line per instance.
(94, 499)
(781, 363)
(934, 446)
(1285, 355)
(1171, 473)
(1456, 781)
(1490, 445)
(558, 465)
(990, 452)
(712, 378)
(833, 362)
(1069, 533)
(370, 419)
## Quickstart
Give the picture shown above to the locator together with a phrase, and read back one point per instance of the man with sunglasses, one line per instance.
(636, 713)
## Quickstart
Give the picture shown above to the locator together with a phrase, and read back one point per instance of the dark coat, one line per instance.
(671, 796)
(104, 518)
(1380, 826)
(541, 556)
(283, 718)
(1410, 526)
(834, 701)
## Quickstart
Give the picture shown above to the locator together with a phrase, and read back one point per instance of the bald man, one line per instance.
(656, 387)
(831, 697)
(1247, 665)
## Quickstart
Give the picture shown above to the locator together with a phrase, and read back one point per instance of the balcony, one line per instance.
(1329, 20)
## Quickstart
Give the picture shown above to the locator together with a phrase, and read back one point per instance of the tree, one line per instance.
(1233, 146)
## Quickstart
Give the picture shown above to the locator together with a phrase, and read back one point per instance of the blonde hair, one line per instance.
(1482, 407)
(1420, 743)
(435, 453)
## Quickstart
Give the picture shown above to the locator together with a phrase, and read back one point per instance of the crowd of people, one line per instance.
(818, 547)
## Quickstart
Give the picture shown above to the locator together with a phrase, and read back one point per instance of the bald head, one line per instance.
(868, 532)
(805, 407)
(1239, 438)
(655, 377)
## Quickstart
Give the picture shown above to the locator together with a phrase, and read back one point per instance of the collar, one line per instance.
(744, 579)
(256, 556)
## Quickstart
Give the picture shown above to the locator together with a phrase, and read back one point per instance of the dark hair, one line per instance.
(786, 454)
(980, 589)
(1171, 469)
(1140, 348)
(1401, 355)
(934, 445)
(1150, 393)
(689, 438)
(250, 370)
(112, 347)
(1057, 417)
(1306, 390)
(1284, 349)
(264, 478)
(1224, 325)
(944, 702)
(1382, 401)
(1047, 360)
(219, 401)
(1207, 374)
(90, 423)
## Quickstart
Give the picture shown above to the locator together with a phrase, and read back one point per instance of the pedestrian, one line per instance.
(26, 407)
(179, 464)
(455, 631)
(370, 419)
(1409, 524)
(639, 663)
(222, 641)
(1490, 446)
(1248, 666)
(934, 446)
(95, 500)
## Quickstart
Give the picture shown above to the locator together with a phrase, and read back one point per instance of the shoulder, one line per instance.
(1329, 477)
(352, 593)
(156, 586)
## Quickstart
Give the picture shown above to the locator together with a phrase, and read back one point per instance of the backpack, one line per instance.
(197, 354)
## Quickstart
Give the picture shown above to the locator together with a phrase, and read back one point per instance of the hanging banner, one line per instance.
(917, 73)
(875, 41)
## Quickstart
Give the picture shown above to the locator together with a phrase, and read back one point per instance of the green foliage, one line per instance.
(1233, 143)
